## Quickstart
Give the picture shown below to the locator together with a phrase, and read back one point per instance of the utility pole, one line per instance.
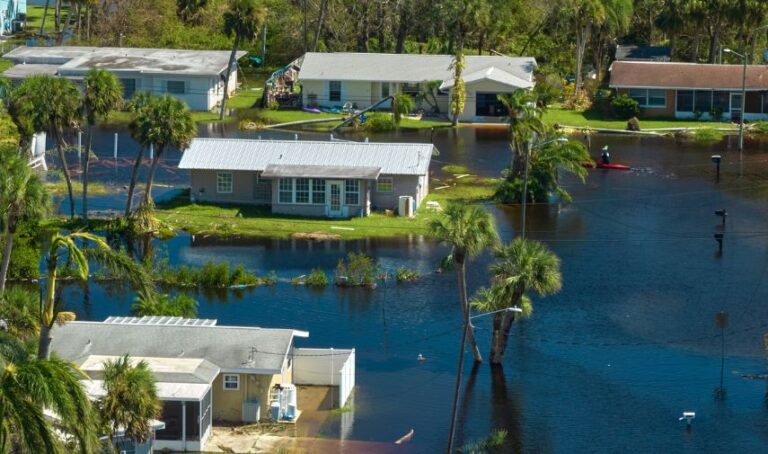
(721, 321)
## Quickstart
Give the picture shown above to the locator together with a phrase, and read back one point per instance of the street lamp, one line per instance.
(743, 100)
(528, 149)
(506, 309)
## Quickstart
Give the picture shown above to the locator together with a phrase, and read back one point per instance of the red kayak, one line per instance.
(600, 165)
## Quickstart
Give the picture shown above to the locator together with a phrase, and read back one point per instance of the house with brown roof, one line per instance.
(692, 90)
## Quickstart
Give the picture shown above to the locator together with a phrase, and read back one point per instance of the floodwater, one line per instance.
(606, 365)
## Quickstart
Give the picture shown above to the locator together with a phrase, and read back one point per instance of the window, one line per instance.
(302, 190)
(334, 90)
(488, 105)
(224, 182)
(384, 89)
(262, 189)
(703, 101)
(351, 192)
(285, 190)
(410, 89)
(385, 184)
(318, 191)
(753, 103)
(231, 382)
(657, 98)
(129, 88)
(685, 100)
(721, 100)
(177, 87)
(639, 95)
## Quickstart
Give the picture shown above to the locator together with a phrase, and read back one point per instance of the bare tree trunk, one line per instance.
(86, 166)
(88, 21)
(306, 42)
(695, 51)
(57, 16)
(714, 45)
(320, 19)
(45, 15)
(581, 44)
(232, 62)
(132, 185)
(151, 177)
(363, 32)
(78, 9)
(67, 174)
(402, 30)
(464, 301)
(380, 37)
(6, 259)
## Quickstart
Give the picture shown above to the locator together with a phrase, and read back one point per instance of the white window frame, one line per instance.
(281, 191)
(219, 176)
(646, 96)
(321, 186)
(308, 191)
(224, 382)
(391, 185)
(348, 193)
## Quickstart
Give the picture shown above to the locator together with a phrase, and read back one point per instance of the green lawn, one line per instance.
(260, 222)
(59, 188)
(35, 17)
(557, 115)
(5, 64)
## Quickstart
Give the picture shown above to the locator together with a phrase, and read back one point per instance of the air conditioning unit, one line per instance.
(251, 411)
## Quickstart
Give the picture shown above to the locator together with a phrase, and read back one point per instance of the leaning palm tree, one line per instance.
(469, 230)
(116, 262)
(102, 94)
(522, 266)
(164, 122)
(52, 104)
(131, 401)
(242, 19)
(28, 385)
(22, 198)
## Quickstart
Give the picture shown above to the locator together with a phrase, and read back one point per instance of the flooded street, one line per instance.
(606, 365)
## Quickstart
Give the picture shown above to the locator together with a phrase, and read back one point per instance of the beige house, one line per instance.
(206, 372)
(308, 178)
(363, 79)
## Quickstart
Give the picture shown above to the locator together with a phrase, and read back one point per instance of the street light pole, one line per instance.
(743, 100)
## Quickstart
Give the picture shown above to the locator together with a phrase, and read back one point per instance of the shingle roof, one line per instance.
(410, 68)
(256, 155)
(228, 347)
(625, 74)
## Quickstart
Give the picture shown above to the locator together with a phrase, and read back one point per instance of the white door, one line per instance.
(333, 200)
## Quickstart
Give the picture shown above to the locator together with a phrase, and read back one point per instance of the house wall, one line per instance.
(402, 185)
(242, 187)
(228, 404)
(320, 210)
(470, 104)
(358, 93)
(668, 111)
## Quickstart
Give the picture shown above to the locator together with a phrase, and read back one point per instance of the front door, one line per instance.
(333, 201)
(736, 106)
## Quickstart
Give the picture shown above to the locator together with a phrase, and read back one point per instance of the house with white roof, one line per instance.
(194, 76)
(363, 79)
(207, 372)
(309, 178)
(11, 11)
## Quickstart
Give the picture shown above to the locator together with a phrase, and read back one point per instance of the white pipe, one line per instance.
(115, 150)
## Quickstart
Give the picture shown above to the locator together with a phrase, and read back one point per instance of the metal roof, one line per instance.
(492, 74)
(256, 155)
(281, 171)
(75, 60)
(161, 320)
(410, 68)
(171, 370)
(165, 391)
(228, 347)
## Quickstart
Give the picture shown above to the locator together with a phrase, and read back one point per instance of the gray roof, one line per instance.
(408, 67)
(650, 53)
(256, 155)
(73, 60)
(23, 71)
(281, 171)
(167, 370)
(257, 350)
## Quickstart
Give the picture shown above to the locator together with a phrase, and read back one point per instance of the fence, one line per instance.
(325, 366)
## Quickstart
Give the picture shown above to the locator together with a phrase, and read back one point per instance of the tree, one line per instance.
(181, 305)
(102, 94)
(163, 122)
(131, 401)
(403, 104)
(583, 15)
(525, 122)
(140, 101)
(469, 230)
(19, 312)
(189, 11)
(27, 386)
(243, 19)
(459, 92)
(52, 104)
(522, 266)
(22, 198)
(117, 263)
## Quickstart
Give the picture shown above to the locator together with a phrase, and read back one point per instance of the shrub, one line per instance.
(25, 258)
(241, 277)
(759, 127)
(549, 88)
(707, 136)
(406, 275)
(380, 122)
(358, 270)
(633, 124)
(625, 107)
(316, 278)
(270, 279)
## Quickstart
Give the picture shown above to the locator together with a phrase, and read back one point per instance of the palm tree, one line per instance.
(140, 101)
(131, 400)
(522, 266)
(403, 104)
(19, 312)
(164, 122)
(469, 230)
(118, 263)
(459, 91)
(181, 305)
(27, 386)
(102, 94)
(524, 116)
(46, 103)
(22, 198)
(242, 19)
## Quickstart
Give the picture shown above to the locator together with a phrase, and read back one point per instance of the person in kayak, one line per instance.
(605, 157)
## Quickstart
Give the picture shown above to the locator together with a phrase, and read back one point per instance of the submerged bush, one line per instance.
(317, 278)
(406, 275)
(380, 122)
(358, 270)
(210, 275)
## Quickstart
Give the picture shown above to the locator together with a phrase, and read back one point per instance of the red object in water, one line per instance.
(600, 165)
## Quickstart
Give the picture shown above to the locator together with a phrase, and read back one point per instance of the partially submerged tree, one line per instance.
(469, 230)
(459, 90)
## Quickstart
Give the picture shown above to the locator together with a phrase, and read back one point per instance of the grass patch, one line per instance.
(283, 116)
(5, 64)
(560, 116)
(455, 169)
(122, 118)
(707, 135)
(59, 188)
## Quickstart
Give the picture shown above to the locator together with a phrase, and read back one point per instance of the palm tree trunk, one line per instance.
(57, 16)
(45, 14)
(6, 259)
(86, 166)
(232, 61)
(67, 175)
(132, 185)
(44, 342)
(320, 19)
(464, 301)
(502, 324)
(151, 177)
(581, 44)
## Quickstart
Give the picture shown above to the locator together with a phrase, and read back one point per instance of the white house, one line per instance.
(194, 76)
(363, 79)
(10, 11)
